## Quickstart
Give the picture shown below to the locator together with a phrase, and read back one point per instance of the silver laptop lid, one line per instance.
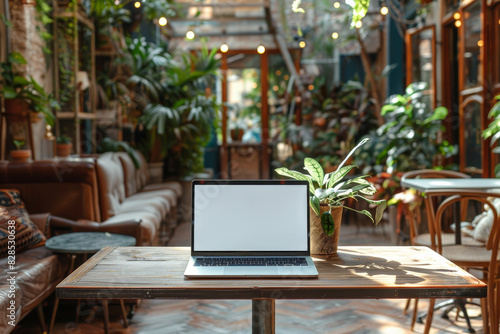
(264, 217)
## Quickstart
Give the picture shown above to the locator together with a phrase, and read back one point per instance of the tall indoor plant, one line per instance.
(327, 195)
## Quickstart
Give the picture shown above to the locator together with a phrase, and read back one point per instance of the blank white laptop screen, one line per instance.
(243, 217)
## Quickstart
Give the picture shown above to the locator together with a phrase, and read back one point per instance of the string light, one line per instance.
(335, 35)
(336, 4)
(224, 48)
(358, 24)
(286, 77)
(137, 4)
(117, 2)
(480, 43)
(458, 24)
(384, 10)
(275, 88)
(310, 87)
(498, 21)
(278, 72)
(456, 16)
(162, 21)
(190, 34)
(302, 44)
(261, 49)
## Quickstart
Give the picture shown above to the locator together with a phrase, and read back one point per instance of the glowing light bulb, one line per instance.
(278, 72)
(358, 24)
(302, 44)
(261, 49)
(458, 24)
(117, 2)
(190, 34)
(480, 43)
(275, 88)
(336, 4)
(335, 35)
(137, 4)
(224, 48)
(456, 16)
(384, 10)
(310, 87)
(286, 77)
(162, 21)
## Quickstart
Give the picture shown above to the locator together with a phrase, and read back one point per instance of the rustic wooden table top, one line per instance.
(357, 272)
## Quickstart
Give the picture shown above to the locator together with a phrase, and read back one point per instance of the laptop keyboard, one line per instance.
(251, 261)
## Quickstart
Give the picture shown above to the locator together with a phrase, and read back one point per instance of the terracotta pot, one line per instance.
(237, 134)
(321, 244)
(63, 149)
(20, 155)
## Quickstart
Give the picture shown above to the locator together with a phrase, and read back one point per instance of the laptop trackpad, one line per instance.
(250, 271)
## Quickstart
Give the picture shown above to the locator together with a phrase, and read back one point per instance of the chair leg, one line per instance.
(430, 314)
(484, 315)
(407, 306)
(414, 315)
(124, 313)
(105, 307)
(41, 317)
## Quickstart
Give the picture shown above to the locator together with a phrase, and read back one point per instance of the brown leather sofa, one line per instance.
(97, 189)
(38, 270)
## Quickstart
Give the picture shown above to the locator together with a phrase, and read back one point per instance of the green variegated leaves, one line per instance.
(315, 170)
(314, 202)
(334, 188)
(327, 223)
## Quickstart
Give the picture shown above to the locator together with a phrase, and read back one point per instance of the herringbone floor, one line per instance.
(234, 316)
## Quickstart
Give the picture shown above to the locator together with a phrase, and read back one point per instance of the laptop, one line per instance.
(257, 228)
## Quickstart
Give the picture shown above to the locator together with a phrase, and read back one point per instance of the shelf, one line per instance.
(63, 13)
(71, 115)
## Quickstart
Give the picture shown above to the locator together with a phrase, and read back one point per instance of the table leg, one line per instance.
(124, 313)
(263, 316)
(105, 308)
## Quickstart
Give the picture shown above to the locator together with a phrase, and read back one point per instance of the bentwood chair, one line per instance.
(484, 258)
(414, 219)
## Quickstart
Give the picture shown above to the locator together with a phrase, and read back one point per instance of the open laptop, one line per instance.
(250, 229)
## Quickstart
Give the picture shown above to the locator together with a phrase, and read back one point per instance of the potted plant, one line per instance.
(22, 94)
(63, 146)
(19, 154)
(327, 195)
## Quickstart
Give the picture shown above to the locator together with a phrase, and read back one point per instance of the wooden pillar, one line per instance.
(224, 157)
(264, 114)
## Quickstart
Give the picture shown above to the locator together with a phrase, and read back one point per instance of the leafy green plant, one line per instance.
(63, 139)
(411, 132)
(493, 129)
(16, 86)
(333, 188)
(111, 145)
(19, 143)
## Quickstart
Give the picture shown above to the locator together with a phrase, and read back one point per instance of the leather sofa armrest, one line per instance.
(42, 221)
(128, 227)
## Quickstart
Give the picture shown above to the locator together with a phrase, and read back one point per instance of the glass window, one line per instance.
(472, 45)
(422, 60)
(472, 135)
(243, 98)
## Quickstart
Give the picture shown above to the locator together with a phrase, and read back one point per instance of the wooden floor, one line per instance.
(234, 316)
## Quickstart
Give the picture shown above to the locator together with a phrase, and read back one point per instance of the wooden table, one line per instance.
(448, 187)
(356, 273)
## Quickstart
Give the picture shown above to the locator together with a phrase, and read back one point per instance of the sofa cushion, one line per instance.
(150, 225)
(38, 271)
(174, 186)
(14, 221)
(155, 205)
(165, 194)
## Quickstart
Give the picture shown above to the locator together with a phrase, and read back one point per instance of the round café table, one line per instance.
(87, 243)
